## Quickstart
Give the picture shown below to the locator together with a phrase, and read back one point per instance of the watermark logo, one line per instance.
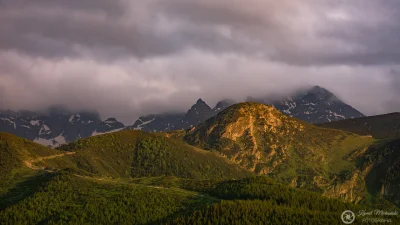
(369, 216)
(348, 217)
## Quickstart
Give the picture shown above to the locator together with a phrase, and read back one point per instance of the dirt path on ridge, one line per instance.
(29, 163)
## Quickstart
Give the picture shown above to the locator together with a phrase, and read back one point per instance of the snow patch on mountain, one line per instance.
(140, 126)
(45, 142)
(45, 128)
(35, 122)
(60, 140)
(10, 121)
(95, 133)
(52, 142)
(7, 120)
(74, 118)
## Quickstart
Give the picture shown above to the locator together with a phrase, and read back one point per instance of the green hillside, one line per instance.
(128, 154)
(379, 127)
(16, 155)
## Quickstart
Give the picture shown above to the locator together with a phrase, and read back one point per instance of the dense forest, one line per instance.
(65, 197)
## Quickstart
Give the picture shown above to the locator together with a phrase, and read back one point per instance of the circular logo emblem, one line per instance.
(348, 217)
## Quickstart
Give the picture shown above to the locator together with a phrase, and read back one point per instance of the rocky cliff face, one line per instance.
(381, 165)
(237, 133)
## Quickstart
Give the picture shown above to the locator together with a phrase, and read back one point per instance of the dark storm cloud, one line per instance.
(303, 33)
(127, 58)
(66, 28)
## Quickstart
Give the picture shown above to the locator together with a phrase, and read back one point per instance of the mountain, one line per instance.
(264, 141)
(198, 113)
(380, 126)
(56, 126)
(335, 163)
(315, 105)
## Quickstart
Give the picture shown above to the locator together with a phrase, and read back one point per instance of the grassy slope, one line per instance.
(380, 127)
(138, 154)
(14, 151)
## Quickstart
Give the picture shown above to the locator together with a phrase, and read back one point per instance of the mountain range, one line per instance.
(248, 164)
(314, 105)
(58, 126)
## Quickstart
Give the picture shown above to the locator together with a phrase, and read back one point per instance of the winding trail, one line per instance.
(29, 163)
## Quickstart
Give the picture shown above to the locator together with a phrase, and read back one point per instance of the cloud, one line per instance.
(308, 33)
(128, 58)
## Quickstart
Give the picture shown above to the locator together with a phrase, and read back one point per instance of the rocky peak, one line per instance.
(200, 104)
(198, 108)
(198, 113)
(315, 105)
(318, 93)
(221, 105)
(318, 89)
(200, 101)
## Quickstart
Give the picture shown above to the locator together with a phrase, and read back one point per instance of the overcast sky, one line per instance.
(126, 58)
